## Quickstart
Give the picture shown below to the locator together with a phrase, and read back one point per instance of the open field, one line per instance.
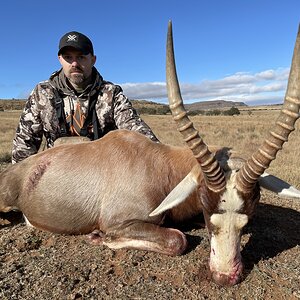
(41, 265)
(8, 124)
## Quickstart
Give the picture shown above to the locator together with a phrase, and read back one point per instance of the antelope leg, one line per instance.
(147, 236)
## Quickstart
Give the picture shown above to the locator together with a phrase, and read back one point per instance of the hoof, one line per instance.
(96, 237)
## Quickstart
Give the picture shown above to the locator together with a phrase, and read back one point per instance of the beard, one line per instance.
(77, 79)
(76, 76)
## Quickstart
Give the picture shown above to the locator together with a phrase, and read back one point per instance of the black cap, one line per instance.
(76, 40)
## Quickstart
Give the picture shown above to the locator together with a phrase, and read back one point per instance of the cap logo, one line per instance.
(72, 38)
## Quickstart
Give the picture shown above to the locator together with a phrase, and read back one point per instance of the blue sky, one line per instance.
(230, 50)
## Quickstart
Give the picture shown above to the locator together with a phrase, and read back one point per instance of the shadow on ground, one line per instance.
(273, 230)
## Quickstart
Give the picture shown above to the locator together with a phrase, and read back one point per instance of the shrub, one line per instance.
(215, 112)
(231, 112)
(5, 158)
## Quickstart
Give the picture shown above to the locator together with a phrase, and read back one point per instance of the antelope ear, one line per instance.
(278, 186)
(180, 193)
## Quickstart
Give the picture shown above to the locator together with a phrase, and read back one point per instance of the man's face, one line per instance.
(76, 66)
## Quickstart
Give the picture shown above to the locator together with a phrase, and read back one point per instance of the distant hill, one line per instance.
(150, 107)
(11, 104)
(215, 104)
(144, 106)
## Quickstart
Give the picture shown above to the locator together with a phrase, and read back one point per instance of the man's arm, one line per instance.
(29, 132)
(126, 116)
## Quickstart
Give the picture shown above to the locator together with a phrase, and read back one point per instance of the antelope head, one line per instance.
(230, 190)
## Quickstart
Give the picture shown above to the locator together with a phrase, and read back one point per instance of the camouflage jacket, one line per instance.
(41, 117)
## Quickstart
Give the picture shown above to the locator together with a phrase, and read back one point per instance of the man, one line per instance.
(74, 101)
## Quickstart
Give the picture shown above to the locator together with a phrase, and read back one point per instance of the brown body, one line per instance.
(110, 185)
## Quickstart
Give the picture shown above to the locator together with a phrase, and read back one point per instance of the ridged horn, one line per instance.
(284, 125)
(213, 173)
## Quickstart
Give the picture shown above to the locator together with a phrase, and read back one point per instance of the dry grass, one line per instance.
(8, 124)
(41, 265)
(242, 133)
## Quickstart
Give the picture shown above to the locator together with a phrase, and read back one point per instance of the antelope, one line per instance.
(121, 189)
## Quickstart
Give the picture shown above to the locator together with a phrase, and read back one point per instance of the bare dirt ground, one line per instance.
(42, 265)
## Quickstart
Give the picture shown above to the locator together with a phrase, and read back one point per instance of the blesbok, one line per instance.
(122, 188)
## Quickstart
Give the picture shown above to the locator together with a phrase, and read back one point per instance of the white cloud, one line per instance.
(263, 87)
(146, 90)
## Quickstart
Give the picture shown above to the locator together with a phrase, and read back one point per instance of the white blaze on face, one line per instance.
(225, 255)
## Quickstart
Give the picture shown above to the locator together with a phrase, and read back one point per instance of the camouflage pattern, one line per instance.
(39, 118)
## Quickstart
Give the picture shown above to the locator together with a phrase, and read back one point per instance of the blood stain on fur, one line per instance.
(36, 175)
